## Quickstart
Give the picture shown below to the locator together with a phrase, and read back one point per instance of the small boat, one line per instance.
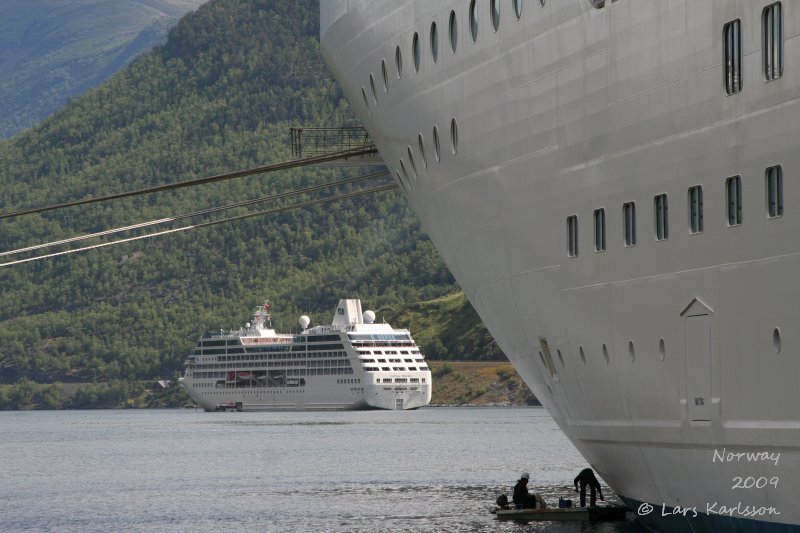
(584, 514)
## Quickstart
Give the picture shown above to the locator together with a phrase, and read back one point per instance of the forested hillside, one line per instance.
(220, 95)
(54, 50)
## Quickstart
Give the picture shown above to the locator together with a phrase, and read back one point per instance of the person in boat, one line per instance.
(587, 478)
(522, 498)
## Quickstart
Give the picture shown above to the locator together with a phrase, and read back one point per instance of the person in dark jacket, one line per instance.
(587, 477)
(522, 499)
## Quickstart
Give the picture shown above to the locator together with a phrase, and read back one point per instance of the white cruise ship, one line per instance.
(614, 185)
(354, 363)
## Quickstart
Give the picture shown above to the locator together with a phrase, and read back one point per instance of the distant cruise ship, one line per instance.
(352, 364)
(605, 180)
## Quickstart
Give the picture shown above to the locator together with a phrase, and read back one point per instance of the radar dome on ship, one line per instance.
(369, 317)
(304, 321)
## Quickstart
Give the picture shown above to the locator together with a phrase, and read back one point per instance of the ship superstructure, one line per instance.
(353, 363)
(613, 185)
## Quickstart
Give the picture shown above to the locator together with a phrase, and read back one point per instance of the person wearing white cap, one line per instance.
(522, 499)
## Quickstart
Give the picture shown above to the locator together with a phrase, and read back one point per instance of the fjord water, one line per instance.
(434, 469)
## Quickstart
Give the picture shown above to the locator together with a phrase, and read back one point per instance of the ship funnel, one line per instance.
(347, 312)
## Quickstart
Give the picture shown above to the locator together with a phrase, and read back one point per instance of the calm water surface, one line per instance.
(434, 469)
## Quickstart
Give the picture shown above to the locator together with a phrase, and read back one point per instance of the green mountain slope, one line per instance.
(220, 95)
(52, 51)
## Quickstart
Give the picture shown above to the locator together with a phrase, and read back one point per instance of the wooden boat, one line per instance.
(585, 514)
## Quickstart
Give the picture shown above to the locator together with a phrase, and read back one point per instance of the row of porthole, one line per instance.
(494, 8)
(777, 343)
(421, 148)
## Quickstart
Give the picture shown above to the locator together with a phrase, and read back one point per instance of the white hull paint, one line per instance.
(351, 364)
(649, 357)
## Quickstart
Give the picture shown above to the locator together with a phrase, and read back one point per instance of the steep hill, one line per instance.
(51, 51)
(220, 95)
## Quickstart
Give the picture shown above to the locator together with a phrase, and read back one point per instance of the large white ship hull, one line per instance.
(661, 361)
(319, 394)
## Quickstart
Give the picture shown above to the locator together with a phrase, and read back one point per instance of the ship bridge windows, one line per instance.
(733, 193)
(772, 29)
(323, 338)
(453, 27)
(599, 230)
(629, 223)
(572, 235)
(494, 9)
(774, 190)
(661, 222)
(732, 56)
(214, 343)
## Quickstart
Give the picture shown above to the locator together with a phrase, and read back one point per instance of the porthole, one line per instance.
(385, 72)
(400, 181)
(453, 31)
(541, 2)
(631, 351)
(372, 87)
(776, 340)
(398, 61)
(415, 51)
(403, 168)
(366, 102)
(583, 355)
(473, 20)
(494, 9)
(436, 151)
(560, 357)
(434, 42)
(454, 135)
(412, 163)
(605, 348)
(662, 351)
(517, 8)
(422, 150)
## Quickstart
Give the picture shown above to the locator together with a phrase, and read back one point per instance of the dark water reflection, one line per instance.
(435, 469)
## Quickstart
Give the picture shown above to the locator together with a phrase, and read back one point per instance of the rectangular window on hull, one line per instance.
(572, 235)
(696, 209)
(732, 60)
(733, 192)
(662, 226)
(599, 230)
(629, 220)
(774, 179)
(772, 30)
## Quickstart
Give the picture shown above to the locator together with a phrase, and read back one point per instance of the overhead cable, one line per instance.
(297, 163)
(211, 223)
(244, 203)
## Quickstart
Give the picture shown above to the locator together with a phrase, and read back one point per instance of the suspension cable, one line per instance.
(209, 179)
(244, 203)
(274, 210)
